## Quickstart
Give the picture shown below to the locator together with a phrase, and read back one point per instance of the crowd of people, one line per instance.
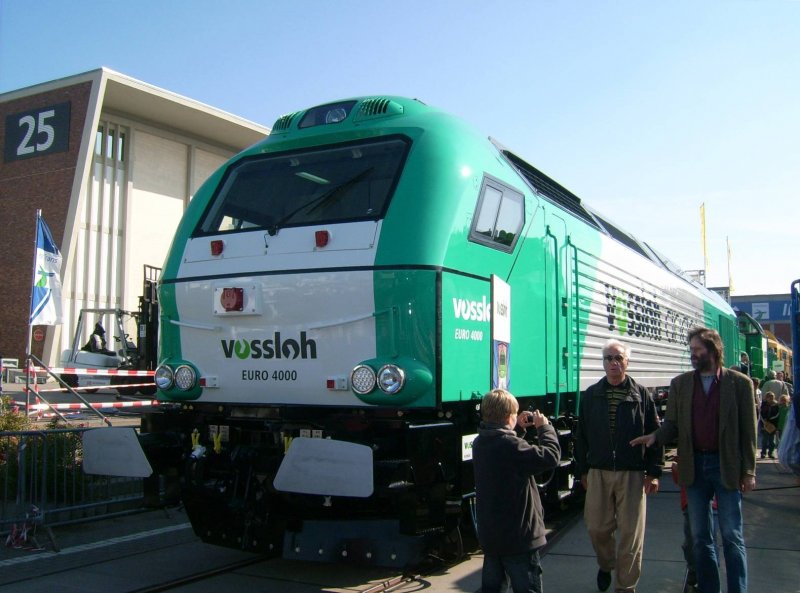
(714, 414)
(773, 400)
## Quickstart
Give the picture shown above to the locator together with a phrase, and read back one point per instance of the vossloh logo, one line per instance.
(275, 347)
(472, 310)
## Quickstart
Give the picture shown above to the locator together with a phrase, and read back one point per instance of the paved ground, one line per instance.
(772, 531)
(772, 536)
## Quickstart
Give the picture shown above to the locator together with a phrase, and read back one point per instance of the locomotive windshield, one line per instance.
(341, 183)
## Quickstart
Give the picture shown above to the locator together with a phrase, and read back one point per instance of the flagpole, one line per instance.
(30, 326)
(730, 280)
(705, 245)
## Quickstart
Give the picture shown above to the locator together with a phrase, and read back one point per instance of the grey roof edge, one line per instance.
(124, 94)
(124, 79)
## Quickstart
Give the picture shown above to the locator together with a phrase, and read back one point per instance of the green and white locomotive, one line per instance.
(338, 298)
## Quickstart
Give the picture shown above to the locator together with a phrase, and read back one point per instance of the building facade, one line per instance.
(112, 163)
(770, 310)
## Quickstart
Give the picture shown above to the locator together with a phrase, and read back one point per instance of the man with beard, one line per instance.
(710, 410)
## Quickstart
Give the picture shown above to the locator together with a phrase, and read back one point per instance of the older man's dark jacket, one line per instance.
(510, 517)
(595, 445)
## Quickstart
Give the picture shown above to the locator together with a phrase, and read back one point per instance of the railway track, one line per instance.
(198, 577)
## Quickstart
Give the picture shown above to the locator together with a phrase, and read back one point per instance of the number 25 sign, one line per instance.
(37, 132)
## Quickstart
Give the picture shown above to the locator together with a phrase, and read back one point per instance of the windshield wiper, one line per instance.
(335, 193)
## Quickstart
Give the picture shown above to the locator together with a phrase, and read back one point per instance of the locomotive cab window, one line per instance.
(499, 216)
(340, 183)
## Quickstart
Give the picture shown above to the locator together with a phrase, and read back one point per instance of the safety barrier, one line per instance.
(35, 391)
(100, 405)
(103, 372)
(42, 481)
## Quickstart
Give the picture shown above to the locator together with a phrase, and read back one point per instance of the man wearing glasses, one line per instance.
(616, 476)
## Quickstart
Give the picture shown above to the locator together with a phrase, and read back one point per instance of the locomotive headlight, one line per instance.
(178, 380)
(391, 379)
(185, 377)
(163, 377)
(402, 382)
(362, 379)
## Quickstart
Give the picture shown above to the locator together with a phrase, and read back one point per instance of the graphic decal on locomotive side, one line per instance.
(643, 317)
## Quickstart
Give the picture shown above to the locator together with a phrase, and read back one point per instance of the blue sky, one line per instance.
(646, 110)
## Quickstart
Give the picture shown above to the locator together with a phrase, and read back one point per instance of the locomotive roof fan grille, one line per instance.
(284, 122)
(379, 106)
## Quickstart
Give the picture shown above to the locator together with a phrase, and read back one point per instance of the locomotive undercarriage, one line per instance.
(226, 460)
(231, 457)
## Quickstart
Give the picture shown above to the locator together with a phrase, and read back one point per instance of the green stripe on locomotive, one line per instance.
(428, 224)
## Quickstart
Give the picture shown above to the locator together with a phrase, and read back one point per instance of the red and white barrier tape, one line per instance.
(129, 404)
(77, 371)
(36, 389)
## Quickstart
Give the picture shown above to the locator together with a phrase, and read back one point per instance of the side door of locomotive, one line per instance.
(560, 307)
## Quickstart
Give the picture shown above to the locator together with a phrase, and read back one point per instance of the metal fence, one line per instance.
(42, 481)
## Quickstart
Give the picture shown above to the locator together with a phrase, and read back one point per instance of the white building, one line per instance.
(112, 163)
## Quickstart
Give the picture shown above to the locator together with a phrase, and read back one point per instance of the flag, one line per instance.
(46, 295)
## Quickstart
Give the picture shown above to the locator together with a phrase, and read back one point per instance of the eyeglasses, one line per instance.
(616, 358)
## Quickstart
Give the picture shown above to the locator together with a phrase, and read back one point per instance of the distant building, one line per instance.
(770, 310)
(112, 162)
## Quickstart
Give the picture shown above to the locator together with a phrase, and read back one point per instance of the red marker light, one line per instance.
(321, 238)
(331, 384)
(217, 245)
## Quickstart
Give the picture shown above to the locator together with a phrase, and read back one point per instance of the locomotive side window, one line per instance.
(499, 216)
(622, 236)
(340, 183)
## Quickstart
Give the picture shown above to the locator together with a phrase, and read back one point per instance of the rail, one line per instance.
(42, 481)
